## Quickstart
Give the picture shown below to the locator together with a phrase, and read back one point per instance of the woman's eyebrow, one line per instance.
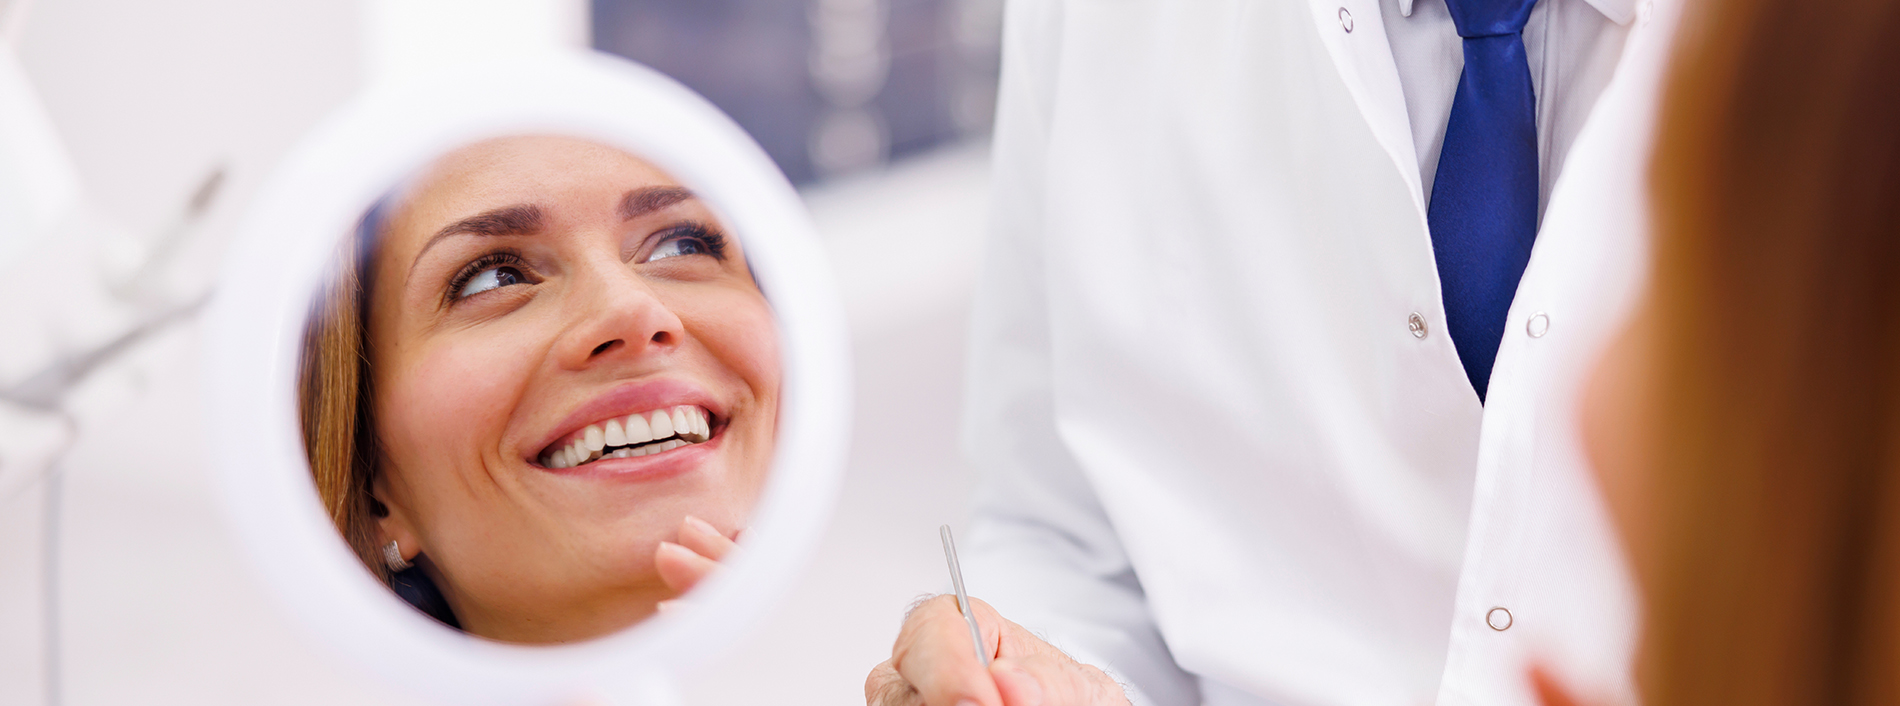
(639, 202)
(519, 219)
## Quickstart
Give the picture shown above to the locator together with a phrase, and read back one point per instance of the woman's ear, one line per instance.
(395, 525)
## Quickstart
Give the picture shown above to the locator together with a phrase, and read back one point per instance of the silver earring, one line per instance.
(392, 557)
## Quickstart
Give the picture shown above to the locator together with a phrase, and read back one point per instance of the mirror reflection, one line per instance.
(540, 393)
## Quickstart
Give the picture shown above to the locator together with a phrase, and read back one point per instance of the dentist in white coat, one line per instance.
(1277, 351)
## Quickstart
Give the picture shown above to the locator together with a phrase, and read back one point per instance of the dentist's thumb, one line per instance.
(1054, 680)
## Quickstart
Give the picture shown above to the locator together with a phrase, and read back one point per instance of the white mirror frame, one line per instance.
(254, 335)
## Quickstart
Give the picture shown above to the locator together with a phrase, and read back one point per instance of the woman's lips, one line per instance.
(639, 409)
(637, 434)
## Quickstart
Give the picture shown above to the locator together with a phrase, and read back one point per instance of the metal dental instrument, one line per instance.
(963, 599)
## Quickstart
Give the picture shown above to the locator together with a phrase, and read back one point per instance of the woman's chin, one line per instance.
(609, 604)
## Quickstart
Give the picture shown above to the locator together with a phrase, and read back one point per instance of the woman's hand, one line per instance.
(700, 549)
(933, 664)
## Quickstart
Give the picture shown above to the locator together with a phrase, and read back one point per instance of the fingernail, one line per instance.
(967, 702)
(672, 548)
(667, 606)
(702, 525)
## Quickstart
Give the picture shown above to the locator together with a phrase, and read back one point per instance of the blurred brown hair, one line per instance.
(335, 404)
(1774, 574)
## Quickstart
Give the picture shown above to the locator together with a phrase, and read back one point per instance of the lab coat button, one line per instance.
(1499, 619)
(1538, 325)
(1417, 324)
(1345, 20)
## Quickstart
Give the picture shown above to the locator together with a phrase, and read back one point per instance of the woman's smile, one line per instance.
(633, 421)
(640, 434)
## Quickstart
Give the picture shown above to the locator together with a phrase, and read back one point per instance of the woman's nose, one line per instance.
(616, 315)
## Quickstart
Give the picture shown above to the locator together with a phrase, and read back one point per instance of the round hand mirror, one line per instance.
(528, 382)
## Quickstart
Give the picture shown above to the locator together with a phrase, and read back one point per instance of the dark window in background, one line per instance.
(826, 86)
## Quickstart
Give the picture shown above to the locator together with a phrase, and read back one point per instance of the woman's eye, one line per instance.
(491, 278)
(680, 246)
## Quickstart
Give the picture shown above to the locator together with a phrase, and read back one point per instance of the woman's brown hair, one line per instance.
(335, 398)
(1772, 572)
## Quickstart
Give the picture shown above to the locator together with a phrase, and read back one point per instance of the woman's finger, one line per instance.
(700, 536)
(681, 568)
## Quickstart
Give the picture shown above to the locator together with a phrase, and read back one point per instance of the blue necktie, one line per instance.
(1483, 214)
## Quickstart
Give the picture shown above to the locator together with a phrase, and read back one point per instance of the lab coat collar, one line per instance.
(1619, 11)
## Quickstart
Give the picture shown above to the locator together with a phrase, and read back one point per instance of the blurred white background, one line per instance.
(119, 582)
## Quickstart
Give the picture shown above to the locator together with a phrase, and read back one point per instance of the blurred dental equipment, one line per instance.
(133, 287)
(135, 273)
(963, 598)
(38, 190)
(93, 292)
(136, 287)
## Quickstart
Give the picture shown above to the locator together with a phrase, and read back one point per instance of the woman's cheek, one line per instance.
(744, 338)
(455, 400)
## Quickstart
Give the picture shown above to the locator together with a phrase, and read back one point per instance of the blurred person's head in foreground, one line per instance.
(1746, 426)
(542, 357)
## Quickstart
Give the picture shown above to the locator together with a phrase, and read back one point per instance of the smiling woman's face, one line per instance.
(536, 304)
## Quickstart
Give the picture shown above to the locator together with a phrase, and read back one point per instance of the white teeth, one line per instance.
(662, 424)
(633, 437)
(690, 424)
(700, 428)
(681, 425)
(638, 432)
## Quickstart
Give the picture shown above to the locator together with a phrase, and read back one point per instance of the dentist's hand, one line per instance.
(700, 548)
(933, 664)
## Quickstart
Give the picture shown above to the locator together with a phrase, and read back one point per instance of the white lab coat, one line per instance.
(1216, 459)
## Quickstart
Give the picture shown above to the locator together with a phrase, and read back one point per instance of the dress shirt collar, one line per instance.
(1619, 11)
